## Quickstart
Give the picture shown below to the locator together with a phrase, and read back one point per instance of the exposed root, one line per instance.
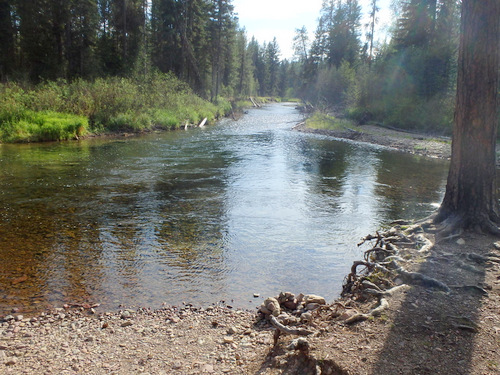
(451, 225)
(421, 279)
(381, 262)
(388, 292)
(289, 331)
(424, 243)
(472, 288)
(377, 311)
(464, 323)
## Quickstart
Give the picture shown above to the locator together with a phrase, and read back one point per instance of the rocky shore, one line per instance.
(422, 329)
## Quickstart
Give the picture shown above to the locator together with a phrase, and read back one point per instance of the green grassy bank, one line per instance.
(61, 110)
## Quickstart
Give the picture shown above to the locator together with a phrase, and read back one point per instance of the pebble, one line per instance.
(207, 368)
(228, 340)
(11, 362)
(128, 323)
(177, 365)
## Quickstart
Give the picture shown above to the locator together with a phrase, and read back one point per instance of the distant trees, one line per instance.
(408, 82)
(197, 40)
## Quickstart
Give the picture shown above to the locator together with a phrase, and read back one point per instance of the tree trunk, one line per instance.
(470, 200)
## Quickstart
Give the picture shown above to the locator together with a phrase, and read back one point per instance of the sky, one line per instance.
(266, 19)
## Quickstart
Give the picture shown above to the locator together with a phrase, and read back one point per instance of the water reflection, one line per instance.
(199, 216)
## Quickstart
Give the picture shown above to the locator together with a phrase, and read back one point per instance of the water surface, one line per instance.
(198, 216)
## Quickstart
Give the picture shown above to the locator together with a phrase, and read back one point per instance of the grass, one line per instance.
(60, 110)
(44, 126)
(323, 121)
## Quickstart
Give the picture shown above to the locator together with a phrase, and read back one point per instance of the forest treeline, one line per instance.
(407, 81)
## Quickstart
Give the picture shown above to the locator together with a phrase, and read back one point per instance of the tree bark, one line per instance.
(470, 199)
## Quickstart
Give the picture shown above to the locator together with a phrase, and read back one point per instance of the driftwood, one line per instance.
(255, 104)
(202, 124)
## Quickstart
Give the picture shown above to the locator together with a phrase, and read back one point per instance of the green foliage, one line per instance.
(59, 110)
(43, 126)
(323, 121)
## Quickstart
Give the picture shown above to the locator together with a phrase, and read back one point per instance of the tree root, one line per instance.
(281, 328)
(464, 323)
(426, 244)
(421, 279)
(388, 292)
(473, 288)
(382, 260)
(451, 224)
(377, 311)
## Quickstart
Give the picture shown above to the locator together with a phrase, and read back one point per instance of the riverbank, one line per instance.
(448, 327)
(418, 144)
(57, 111)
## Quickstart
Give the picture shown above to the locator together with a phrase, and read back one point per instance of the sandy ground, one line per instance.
(423, 329)
(417, 144)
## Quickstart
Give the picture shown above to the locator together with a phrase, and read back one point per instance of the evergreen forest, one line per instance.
(96, 65)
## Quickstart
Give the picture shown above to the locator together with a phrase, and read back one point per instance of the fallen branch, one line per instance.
(202, 124)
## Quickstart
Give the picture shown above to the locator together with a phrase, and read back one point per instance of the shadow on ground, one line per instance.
(434, 332)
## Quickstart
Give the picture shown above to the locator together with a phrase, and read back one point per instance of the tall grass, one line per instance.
(60, 110)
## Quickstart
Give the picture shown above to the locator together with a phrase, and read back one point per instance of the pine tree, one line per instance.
(81, 39)
(272, 60)
(343, 41)
(7, 39)
(222, 28)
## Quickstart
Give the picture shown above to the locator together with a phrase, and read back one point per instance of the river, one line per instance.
(198, 216)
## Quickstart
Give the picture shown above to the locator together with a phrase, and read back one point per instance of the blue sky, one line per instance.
(266, 19)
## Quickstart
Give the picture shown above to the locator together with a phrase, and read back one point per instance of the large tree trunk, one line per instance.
(470, 200)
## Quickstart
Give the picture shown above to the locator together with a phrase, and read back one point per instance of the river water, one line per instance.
(198, 216)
